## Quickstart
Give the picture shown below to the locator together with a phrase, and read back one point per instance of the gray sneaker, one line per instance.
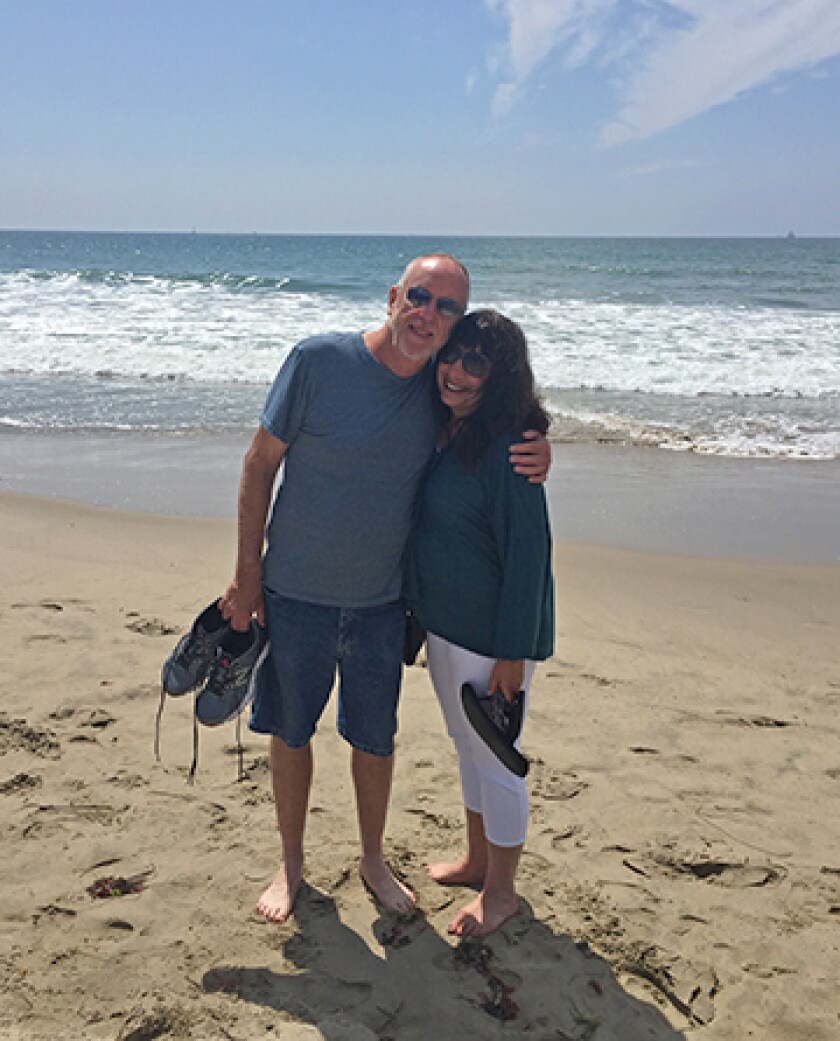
(187, 666)
(230, 685)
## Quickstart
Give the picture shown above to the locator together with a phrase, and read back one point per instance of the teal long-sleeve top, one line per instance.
(478, 563)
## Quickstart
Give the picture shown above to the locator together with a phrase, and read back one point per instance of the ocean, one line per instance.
(725, 347)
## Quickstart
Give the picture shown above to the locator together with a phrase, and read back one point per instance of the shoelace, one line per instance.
(158, 717)
(192, 652)
(240, 750)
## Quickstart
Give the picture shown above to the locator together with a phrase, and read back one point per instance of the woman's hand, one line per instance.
(506, 677)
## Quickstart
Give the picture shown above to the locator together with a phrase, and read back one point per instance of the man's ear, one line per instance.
(392, 296)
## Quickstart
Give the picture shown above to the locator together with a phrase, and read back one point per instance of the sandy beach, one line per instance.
(682, 873)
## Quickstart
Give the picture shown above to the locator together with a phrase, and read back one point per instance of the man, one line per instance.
(350, 416)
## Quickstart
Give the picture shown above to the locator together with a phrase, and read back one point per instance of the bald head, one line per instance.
(442, 262)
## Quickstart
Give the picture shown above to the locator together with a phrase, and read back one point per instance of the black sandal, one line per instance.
(498, 722)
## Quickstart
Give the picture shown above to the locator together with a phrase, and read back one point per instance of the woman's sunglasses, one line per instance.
(473, 362)
(419, 296)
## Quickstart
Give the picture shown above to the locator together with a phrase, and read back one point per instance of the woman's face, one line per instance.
(460, 390)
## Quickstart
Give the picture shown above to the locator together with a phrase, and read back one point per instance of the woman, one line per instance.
(478, 577)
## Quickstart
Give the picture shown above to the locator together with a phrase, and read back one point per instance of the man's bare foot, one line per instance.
(459, 873)
(385, 886)
(484, 914)
(277, 901)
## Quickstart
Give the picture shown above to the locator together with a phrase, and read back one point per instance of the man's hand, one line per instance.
(506, 677)
(532, 458)
(243, 599)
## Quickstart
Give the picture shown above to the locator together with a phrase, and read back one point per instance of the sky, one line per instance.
(462, 117)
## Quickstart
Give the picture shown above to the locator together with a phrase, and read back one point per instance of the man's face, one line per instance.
(420, 322)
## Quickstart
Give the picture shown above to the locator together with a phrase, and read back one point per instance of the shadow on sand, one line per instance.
(410, 984)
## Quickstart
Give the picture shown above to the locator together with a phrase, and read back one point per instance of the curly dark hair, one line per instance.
(509, 402)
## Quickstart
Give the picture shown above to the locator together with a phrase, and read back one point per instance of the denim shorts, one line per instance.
(310, 643)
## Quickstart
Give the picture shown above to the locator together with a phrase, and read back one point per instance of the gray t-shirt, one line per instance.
(359, 439)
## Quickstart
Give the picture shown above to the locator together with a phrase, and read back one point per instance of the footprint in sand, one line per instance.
(21, 782)
(149, 626)
(437, 819)
(86, 721)
(94, 718)
(559, 839)
(552, 786)
(766, 722)
(53, 605)
(97, 719)
(63, 627)
(828, 887)
(729, 874)
(600, 681)
(140, 692)
(146, 1026)
(690, 988)
(17, 734)
(75, 812)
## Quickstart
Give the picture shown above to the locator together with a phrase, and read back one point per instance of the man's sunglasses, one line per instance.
(473, 362)
(417, 296)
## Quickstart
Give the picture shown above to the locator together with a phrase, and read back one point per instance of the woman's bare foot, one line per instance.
(484, 914)
(277, 901)
(459, 873)
(385, 886)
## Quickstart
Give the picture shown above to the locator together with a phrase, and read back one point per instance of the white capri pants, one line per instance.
(489, 788)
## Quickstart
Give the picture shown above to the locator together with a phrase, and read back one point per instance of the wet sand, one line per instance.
(631, 498)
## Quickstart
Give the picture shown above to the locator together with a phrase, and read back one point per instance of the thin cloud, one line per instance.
(537, 29)
(730, 48)
(672, 61)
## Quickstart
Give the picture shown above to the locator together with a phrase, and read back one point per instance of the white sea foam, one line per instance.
(151, 352)
(152, 328)
(737, 433)
(688, 351)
